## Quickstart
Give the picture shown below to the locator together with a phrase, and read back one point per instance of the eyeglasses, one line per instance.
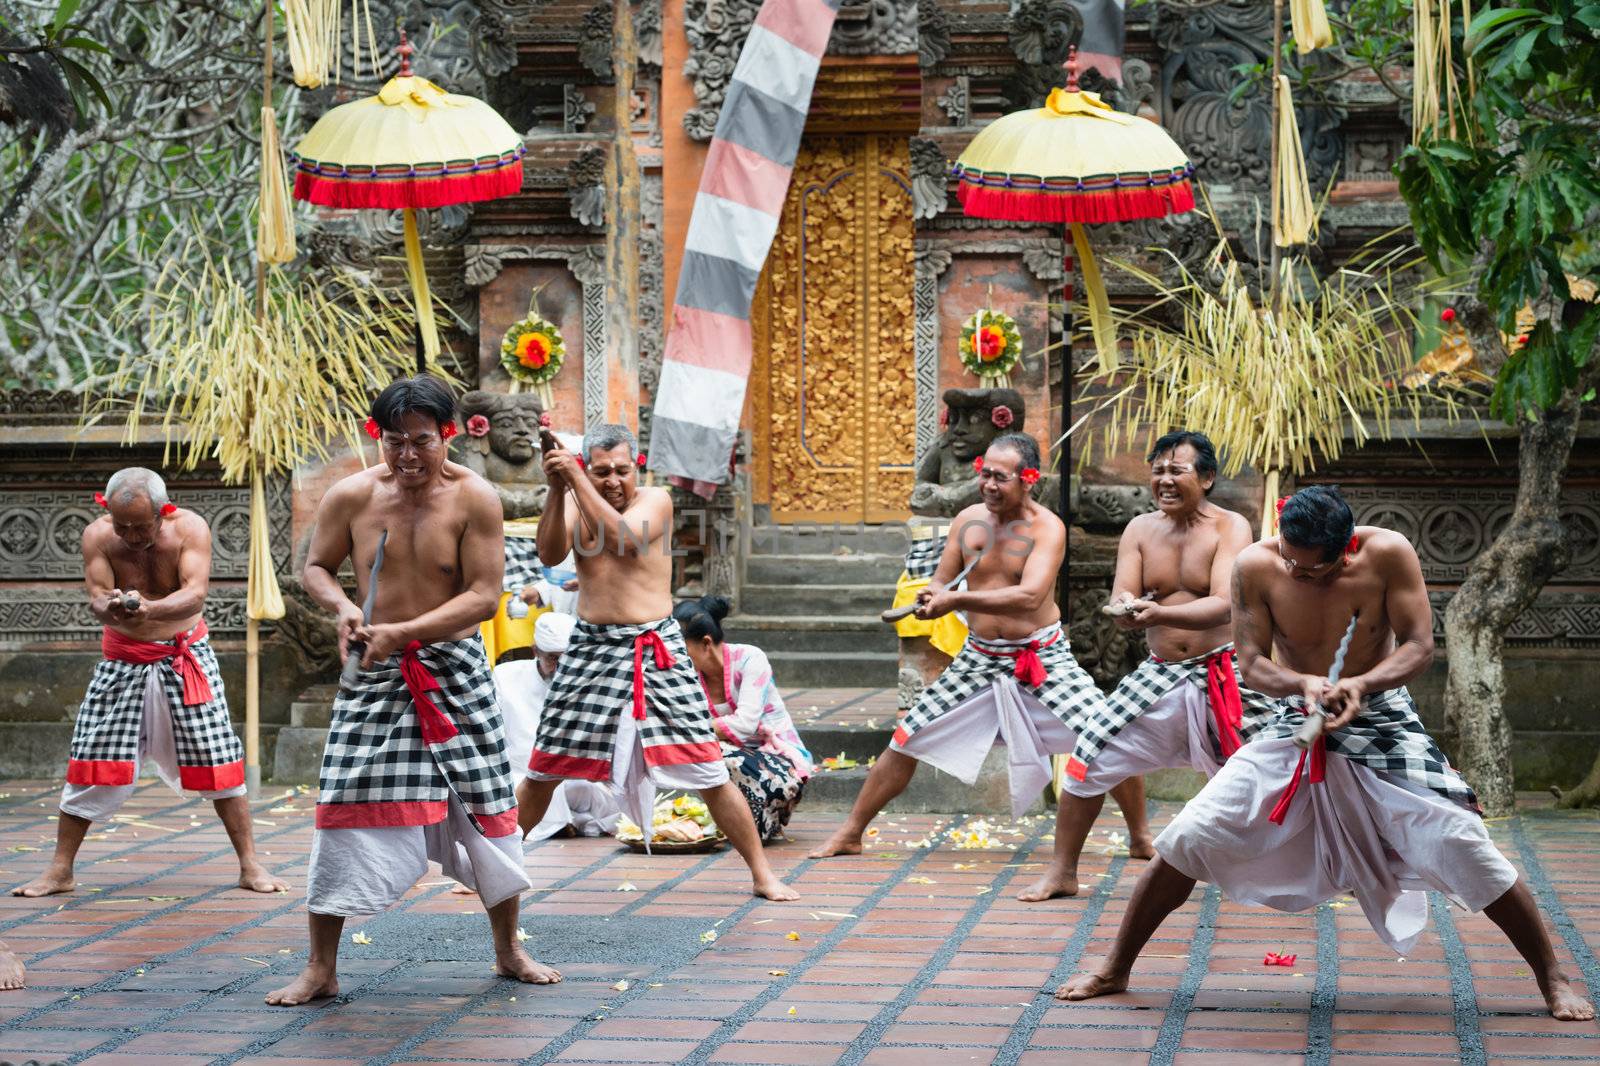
(1320, 568)
(987, 474)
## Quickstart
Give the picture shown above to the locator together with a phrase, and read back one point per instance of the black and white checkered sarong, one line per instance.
(377, 770)
(923, 558)
(1068, 692)
(594, 686)
(1386, 736)
(1138, 691)
(105, 738)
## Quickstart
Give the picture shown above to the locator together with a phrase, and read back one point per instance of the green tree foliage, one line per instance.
(1514, 197)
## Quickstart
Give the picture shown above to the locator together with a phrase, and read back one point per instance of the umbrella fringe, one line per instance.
(1071, 206)
(365, 193)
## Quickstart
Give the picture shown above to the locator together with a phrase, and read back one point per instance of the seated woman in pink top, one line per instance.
(765, 756)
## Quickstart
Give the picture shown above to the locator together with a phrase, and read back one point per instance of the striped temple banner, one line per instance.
(706, 365)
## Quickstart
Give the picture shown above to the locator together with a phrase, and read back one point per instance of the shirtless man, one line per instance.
(603, 720)
(156, 697)
(1183, 706)
(1015, 677)
(1388, 818)
(415, 766)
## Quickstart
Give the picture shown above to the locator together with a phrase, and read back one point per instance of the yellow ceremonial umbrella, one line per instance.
(1075, 161)
(410, 147)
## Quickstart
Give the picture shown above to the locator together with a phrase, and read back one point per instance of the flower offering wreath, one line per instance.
(532, 353)
(991, 347)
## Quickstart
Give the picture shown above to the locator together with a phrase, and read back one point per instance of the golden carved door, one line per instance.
(833, 382)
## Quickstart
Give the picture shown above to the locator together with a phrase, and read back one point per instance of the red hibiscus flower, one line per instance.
(533, 350)
(1275, 959)
(1001, 416)
(448, 430)
(1029, 476)
(371, 426)
(977, 464)
(477, 426)
(168, 510)
(991, 343)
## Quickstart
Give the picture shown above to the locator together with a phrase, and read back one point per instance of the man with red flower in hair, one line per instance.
(415, 767)
(626, 706)
(1015, 678)
(156, 697)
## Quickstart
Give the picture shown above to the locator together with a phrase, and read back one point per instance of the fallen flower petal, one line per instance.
(708, 936)
(620, 986)
(360, 938)
(779, 973)
(791, 935)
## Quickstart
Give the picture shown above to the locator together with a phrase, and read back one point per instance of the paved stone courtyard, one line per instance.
(914, 953)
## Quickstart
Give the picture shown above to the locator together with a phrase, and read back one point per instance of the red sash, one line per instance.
(1028, 669)
(1319, 760)
(1227, 707)
(436, 725)
(652, 640)
(119, 647)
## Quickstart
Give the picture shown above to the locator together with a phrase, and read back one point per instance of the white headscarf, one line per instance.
(553, 631)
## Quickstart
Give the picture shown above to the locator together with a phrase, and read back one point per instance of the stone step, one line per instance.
(877, 569)
(789, 599)
(834, 669)
(854, 742)
(823, 540)
(313, 708)
(298, 758)
(813, 634)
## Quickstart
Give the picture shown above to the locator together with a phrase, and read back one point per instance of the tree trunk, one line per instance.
(1501, 583)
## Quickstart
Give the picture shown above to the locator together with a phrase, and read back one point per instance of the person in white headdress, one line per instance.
(588, 808)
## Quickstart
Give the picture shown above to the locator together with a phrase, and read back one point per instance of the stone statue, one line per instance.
(504, 448)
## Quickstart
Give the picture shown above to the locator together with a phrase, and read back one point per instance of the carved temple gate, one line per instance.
(833, 390)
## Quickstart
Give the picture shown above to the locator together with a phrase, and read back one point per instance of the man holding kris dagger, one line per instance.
(1335, 619)
(1015, 679)
(415, 766)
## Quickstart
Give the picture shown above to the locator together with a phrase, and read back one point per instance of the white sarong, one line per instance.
(365, 871)
(1372, 834)
(958, 740)
(1175, 731)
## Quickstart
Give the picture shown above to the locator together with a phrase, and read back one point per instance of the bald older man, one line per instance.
(156, 697)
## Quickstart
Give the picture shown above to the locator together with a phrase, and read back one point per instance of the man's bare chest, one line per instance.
(1173, 562)
(154, 573)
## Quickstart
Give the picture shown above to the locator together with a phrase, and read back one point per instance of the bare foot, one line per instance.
(774, 889)
(1142, 847)
(253, 877)
(1053, 885)
(48, 883)
(518, 964)
(311, 984)
(841, 843)
(1565, 1004)
(462, 890)
(10, 971)
(1090, 985)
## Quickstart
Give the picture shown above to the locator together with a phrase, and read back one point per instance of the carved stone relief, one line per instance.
(1040, 31)
(876, 27)
(1229, 141)
(956, 101)
(594, 39)
(930, 263)
(930, 178)
(933, 33)
(576, 109)
(586, 189)
(652, 294)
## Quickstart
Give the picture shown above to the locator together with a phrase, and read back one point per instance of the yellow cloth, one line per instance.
(502, 633)
(947, 633)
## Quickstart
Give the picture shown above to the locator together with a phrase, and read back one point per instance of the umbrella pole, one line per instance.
(1065, 464)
